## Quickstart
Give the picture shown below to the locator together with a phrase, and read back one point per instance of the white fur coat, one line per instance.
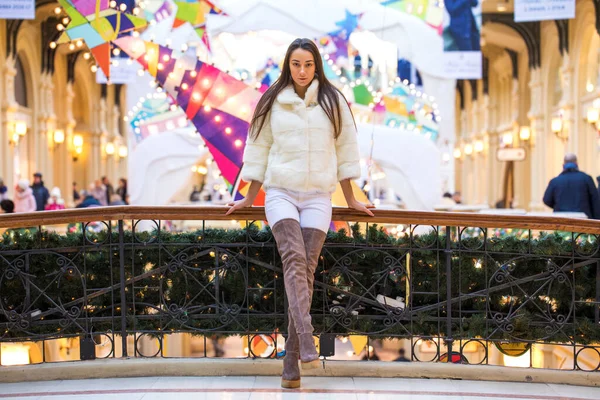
(296, 148)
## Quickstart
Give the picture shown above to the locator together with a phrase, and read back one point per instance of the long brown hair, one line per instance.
(327, 98)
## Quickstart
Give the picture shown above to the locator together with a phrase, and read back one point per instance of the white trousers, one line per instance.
(311, 210)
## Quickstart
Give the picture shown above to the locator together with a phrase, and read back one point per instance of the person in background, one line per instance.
(447, 199)
(40, 192)
(109, 189)
(357, 65)
(457, 197)
(3, 190)
(76, 196)
(122, 189)
(55, 202)
(370, 65)
(573, 190)
(98, 190)
(402, 356)
(116, 200)
(7, 206)
(195, 195)
(88, 200)
(24, 200)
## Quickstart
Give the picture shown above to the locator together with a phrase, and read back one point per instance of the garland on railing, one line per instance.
(230, 281)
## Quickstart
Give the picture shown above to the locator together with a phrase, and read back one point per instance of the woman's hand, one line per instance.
(357, 205)
(236, 205)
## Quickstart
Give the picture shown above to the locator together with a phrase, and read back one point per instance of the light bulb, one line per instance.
(109, 148)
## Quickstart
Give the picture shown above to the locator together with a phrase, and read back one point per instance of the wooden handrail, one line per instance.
(214, 213)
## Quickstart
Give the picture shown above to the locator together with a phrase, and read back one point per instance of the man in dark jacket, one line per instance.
(573, 191)
(109, 189)
(40, 192)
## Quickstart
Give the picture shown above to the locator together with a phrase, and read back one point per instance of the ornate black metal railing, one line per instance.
(452, 280)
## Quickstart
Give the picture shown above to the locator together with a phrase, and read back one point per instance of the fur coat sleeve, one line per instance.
(346, 146)
(256, 153)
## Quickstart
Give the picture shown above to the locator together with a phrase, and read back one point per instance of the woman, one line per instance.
(24, 200)
(122, 189)
(301, 142)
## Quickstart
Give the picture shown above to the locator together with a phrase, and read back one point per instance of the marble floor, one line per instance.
(248, 387)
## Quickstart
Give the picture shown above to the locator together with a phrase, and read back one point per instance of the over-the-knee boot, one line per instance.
(313, 243)
(290, 243)
(290, 378)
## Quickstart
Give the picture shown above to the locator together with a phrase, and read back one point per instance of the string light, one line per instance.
(228, 130)
(184, 86)
(207, 108)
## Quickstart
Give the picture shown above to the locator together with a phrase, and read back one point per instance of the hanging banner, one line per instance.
(540, 10)
(123, 72)
(461, 35)
(17, 9)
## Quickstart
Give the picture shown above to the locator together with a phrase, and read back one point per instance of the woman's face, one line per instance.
(302, 67)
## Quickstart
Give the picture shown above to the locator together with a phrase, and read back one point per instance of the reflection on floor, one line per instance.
(248, 387)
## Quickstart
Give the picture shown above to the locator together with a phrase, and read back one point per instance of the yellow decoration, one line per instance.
(359, 342)
(394, 105)
(338, 199)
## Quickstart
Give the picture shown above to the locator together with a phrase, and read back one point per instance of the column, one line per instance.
(66, 149)
(567, 105)
(538, 141)
(9, 106)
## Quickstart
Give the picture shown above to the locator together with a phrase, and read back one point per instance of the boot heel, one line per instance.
(289, 384)
(309, 364)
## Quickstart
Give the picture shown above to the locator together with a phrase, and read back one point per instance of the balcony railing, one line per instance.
(447, 282)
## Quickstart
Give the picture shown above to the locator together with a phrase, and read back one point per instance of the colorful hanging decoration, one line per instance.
(194, 12)
(430, 11)
(98, 24)
(160, 13)
(217, 104)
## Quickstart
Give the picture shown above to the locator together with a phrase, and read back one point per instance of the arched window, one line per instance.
(20, 84)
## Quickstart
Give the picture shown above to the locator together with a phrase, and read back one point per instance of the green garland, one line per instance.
(230, 281)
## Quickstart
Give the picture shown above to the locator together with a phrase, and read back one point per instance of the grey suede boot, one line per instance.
(290, 378)
(290, 244)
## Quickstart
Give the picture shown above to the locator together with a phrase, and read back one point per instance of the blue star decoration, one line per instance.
(347, 25)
